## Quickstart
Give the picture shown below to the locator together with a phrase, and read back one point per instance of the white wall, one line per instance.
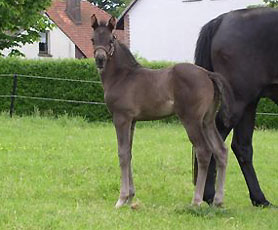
(60, 46)
(168, 29)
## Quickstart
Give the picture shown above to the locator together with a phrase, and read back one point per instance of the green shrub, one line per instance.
(66, 69)
(76, 69)
(270, 120)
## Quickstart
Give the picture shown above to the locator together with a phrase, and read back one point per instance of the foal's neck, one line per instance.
(118, 65)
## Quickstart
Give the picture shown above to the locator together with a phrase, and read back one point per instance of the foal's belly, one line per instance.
(156, 111)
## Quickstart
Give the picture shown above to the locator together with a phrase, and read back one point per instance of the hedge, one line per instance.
(76, 69)
(67, 69)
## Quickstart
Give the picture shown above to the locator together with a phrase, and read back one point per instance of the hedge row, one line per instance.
(67, 69)
(75, 69)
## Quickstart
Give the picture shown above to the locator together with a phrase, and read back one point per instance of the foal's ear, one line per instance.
(112, 23)
(94, 22)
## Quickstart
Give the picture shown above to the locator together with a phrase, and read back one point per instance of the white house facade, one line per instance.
(54, 43)
(168, 29)
(72, 34)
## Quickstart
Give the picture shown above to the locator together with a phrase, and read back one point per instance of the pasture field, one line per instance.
(63, 174)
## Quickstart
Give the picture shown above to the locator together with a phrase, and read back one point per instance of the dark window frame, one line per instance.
(44, 46)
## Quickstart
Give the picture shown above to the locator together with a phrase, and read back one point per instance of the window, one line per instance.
(44, 44)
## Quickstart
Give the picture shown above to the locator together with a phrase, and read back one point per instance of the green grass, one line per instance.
(64, 174)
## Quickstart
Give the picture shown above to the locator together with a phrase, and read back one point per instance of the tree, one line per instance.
(271, 3)
(21, 22)
(113, 7)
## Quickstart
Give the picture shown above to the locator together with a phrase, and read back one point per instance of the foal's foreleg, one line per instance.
(131, 185)
(123, 129)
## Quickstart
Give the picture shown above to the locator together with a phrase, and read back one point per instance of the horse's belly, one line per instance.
(156, 111)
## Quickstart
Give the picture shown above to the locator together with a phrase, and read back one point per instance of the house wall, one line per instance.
(168, 29)
(60, 46)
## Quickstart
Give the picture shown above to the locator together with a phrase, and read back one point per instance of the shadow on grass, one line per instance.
(203, 211)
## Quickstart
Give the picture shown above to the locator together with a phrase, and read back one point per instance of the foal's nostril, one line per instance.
(100, 61)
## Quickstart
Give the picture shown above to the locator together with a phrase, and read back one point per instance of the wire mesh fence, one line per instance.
(14, 95)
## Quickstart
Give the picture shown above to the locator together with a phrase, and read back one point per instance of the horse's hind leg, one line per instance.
(203, 153)
(242, 147)
(210, 182)
(124, 131)
(220, 155)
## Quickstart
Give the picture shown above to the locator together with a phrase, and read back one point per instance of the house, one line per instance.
(71, 36)
(168, 29)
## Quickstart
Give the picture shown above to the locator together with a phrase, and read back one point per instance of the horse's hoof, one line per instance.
(263, 204)
(196, 203)
(272, 206)
(121, 202)
(130, 198)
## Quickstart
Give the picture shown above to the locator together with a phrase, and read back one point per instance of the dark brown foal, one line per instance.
(133, 93)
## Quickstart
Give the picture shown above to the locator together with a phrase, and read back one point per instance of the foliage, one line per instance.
(64, 174)
(69, 69)
(21, 22)
(113, 7)
(271, 3)
(77, 69)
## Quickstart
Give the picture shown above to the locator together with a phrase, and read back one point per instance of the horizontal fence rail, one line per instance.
(13, 96)
(53, 99)
(50, 78)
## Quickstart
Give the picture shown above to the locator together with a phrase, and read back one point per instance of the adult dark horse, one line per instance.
(242, 46)
(134, 93)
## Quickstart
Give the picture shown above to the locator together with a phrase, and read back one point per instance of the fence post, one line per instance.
(13, 95)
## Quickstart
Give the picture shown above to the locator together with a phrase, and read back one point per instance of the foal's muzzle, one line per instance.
(101, 58)
(102, 55)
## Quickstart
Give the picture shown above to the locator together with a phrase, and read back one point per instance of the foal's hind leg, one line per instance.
(123, 127)
(211, 177)
(220, 154)
(203, 153)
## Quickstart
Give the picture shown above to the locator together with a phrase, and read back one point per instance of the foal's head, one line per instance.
(103, 40)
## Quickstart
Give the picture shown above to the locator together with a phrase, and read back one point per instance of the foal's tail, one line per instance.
(223, 95)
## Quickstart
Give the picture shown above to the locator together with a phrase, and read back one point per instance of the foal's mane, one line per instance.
(132, 62)
(128, 54)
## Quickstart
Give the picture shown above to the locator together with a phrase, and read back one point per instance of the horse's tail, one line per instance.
(224, 96)
(203, 59)
(203, 45)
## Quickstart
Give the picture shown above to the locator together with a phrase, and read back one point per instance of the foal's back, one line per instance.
(155, 94)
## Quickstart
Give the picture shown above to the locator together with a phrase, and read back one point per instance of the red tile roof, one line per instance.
(80, 34)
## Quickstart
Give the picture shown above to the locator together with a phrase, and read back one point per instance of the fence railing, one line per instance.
(14, 95)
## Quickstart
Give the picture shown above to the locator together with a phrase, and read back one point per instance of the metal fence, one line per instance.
(14, 95)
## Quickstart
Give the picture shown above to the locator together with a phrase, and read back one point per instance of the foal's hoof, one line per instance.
(218, 205)
(121, 202)
(196, 203)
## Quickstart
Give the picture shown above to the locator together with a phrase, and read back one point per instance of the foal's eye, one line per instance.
(93, 41)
